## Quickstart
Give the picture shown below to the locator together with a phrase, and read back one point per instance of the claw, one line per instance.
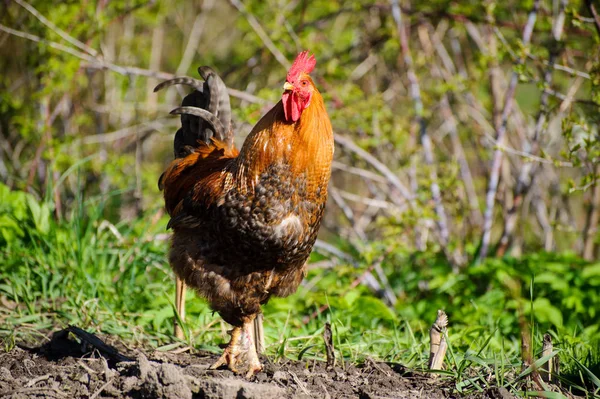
(228, 359)
(253, 369)
(240, 349)
(230, 354)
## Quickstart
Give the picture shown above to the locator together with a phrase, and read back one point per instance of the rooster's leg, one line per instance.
(179, 306)
(254, 365)
(232, 351)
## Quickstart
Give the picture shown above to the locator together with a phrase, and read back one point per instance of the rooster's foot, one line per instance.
(231, 353)
(253, 368)
(254, 365)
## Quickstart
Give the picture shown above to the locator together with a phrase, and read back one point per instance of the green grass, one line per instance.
(115, 279)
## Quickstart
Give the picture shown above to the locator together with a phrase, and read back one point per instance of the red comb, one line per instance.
(302, 63)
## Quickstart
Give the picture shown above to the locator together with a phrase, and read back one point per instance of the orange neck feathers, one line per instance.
(306, 146)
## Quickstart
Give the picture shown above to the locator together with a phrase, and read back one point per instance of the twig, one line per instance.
(415, 93)
(528, 170)
(369, 213)
(591, 220)
(34, 381)
(370, 159)
(95, 63)
(388, 293)
(121, 133)
(559, 67)
(533, 158)
(102, 388)
(346, 210)
(358, 171)
(194, 37)
(500, 137)
(376, 203)
(261, 33)
(52, 44)
(542, 215)
(328, 338)
(327, 248)
(56, 29)
(299, 383)
(86, 368)
(448, 116)
(594, 13)
(364, 67)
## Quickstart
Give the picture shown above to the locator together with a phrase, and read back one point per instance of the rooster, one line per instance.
(244, 222)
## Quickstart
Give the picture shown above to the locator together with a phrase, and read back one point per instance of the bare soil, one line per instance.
(70, 367)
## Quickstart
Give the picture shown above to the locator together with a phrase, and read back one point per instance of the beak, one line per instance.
(288, 86)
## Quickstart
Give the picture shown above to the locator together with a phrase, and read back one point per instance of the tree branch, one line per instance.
(261, 33)
(529, 169)
(415, 93)
(56, 29)
(500, 137)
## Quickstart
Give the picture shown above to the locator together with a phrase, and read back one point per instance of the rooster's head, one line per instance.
(298, 87)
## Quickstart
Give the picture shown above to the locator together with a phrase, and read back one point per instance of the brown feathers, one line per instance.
(199, 172)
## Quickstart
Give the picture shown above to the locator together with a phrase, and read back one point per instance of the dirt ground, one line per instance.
(70, 367)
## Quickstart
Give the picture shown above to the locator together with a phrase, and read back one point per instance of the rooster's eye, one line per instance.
(304, 83)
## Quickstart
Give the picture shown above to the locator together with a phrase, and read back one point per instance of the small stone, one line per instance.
(280, 376)
(169, 374)
(5, 374)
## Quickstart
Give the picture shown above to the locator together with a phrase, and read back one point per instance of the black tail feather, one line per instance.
(205, 115)
(205, 112)
(223, 104)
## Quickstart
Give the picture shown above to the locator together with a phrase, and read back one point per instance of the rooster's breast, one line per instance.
(273, 223)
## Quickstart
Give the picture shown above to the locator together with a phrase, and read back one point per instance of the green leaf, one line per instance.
(591, 271)
(374, 308)
(40, 215)
(538, 364)
(588, 372)
(545, 312)
(546, 394)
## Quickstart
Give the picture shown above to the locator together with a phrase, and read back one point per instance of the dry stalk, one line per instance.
(328, 338)
(550, 368)
(258, 333)
(437, 341)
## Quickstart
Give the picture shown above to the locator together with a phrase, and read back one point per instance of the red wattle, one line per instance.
(291, 106)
